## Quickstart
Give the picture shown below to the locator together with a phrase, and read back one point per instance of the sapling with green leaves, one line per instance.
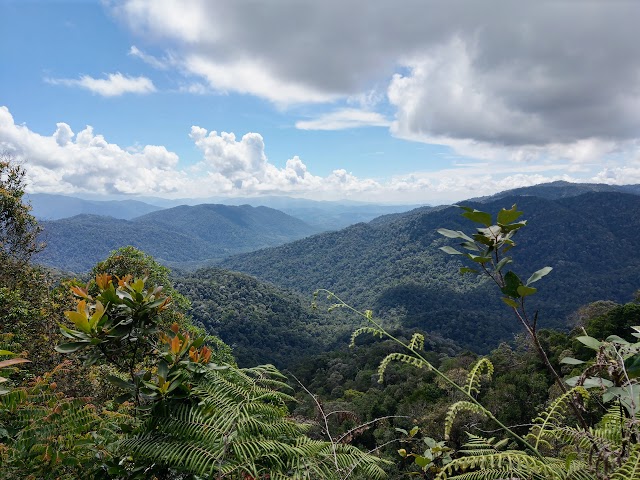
(487, 249)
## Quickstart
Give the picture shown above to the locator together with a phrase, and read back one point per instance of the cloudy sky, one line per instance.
(406, 101)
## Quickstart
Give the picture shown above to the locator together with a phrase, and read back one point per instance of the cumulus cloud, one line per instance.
(505, 77)
(114, 85)
(85, 162)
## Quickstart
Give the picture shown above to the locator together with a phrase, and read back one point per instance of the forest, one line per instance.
(136, 372)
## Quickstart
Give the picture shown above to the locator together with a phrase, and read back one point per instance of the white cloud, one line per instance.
(343, 119)
(68, 162)
(115, 84)
(538, 79)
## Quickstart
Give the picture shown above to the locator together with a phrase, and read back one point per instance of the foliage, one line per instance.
(395, 268)
(45, 434)
(182, 236)
(18, 228)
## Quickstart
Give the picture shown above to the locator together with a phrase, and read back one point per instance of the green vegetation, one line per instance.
(140, 385)
(394, 266)
(185, 236)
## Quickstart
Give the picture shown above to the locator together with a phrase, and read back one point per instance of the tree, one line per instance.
(18, 228)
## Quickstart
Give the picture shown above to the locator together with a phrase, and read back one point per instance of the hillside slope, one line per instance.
(181, 236)
(396, 268)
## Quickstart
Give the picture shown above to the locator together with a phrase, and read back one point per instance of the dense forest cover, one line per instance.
(394, 267)
(138, 386)
(183, 235)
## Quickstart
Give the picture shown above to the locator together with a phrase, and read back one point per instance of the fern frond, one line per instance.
(417, 342)
(630, 469)
(552, 418)
(472, 385)
(455, 409)
(481, 446)
(511, 464)
(376, 332)
(400, 357)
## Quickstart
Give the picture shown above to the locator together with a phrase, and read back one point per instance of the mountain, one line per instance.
(560, 189)
(253, 317)
(54, 207)
(324, 215)
(181, 236)
(395, 267)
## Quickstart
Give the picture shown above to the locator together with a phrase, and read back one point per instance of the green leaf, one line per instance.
(571, 361)
(422, 461)
(450, 250)
(6, 353)
(478, 258)
(454, 234)
(70, 347)
(118, 382)
(632, 365)
(538, 275)
(510, 302)
(525, 291)
(512, 282)
(464, 270)
(470, 246)
(478, 217)
(508, 216)
(502, 263)
(413, 431)
(590, 342)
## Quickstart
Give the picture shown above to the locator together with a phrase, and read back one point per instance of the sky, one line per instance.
(406, 101)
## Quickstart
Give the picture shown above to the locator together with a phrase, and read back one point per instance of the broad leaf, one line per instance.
(13, 361)
(512, 282)
(571, 361)
(590, 342)
(478, 217)
(450, 250)
(525, 291)
(464, 270)
(538, 275)
(454, 234)
(508, 216)
(511, 302)
(70, 347)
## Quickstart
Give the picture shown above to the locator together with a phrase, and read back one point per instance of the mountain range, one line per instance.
(394, 266)
(185, 236)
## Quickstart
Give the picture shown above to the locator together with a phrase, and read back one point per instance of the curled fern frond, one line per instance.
(482, 367)
(400, 357)
(455, 409)
(362, 330)
(417, 342)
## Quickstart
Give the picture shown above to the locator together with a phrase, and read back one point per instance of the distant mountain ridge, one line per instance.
(560, 189)
(185, 236)
(323, 215)
(54, 207)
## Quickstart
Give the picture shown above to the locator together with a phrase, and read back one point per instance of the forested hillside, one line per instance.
(253, 317)
(185, 236)
(395, 267)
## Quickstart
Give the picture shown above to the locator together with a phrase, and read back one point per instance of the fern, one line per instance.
(235, 424)
(376, 332)
(630, 470)
(455, 409)
(553, 417)
(417, 342)
(400, 357)
(472, 385)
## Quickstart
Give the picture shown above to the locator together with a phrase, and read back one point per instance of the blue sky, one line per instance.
(413, 101)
